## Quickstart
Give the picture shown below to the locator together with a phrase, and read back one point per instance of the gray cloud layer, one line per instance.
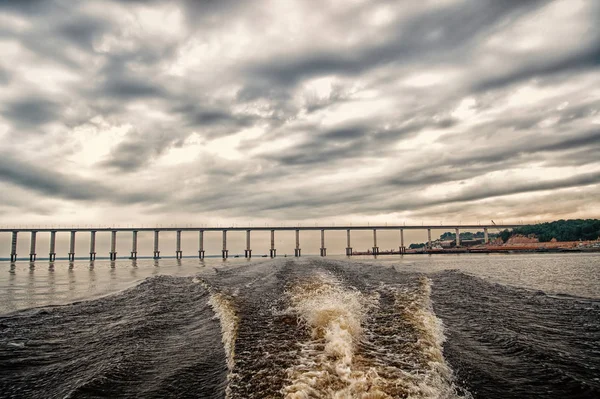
(230, 109)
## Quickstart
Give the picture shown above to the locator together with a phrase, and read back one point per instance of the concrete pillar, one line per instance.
(156, 253)
(272, 251)
(486, 239)
(225, 251)
(402, 247)
(248, 251)
(297, 249)
(375, 247)
(72, 246)
(13, 247)
(92, 245)
(178, 253)
(134, 245)
(52, 254)
(428, 238)
(348, 246)
(32, 254)
(113, 245)
(323, 249)
(457, 232)
(201, 244)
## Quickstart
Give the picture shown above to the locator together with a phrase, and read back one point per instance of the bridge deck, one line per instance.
(267, 228)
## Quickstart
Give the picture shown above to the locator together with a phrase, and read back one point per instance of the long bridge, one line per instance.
(224, 230)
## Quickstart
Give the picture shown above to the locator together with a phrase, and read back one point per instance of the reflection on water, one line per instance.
(28, 284)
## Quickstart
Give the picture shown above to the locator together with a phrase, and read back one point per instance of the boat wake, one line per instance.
(321, 336)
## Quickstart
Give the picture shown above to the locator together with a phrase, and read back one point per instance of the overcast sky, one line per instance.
(222, 112)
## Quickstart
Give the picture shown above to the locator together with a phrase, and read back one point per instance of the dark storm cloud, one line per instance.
(82, 31)
(587, 59)
(197, 115)
(128, 88)
(494, 190)
(4, 76)
(588, 139)
(414, 201)
(465, 165)
(31, 112)
(138, 150)
(27, 7)
(57, 29)
(460, 24)
(59, 185)
(352, 140)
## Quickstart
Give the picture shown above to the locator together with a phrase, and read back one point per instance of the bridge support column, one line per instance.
(375, 247)
(225, 252)
(323, 249)
(457, 232)
(428, 238)
(248, 251)
(72, 247)
(272, 251)
(402, 247)
(92, 245)
(178, 252)
(348, 246)
(113, 245)
(486, 239)
(32, 254)
(13, 247)
(201, 244)
(297, 252)
(52, 254)
(134, 245)
(156, 253)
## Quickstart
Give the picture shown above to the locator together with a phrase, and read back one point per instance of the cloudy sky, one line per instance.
(328, 111)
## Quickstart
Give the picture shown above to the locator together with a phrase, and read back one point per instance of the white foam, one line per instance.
(346, 357)
(224, 309)
(334, 316)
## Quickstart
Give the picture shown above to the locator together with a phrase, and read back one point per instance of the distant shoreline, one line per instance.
(483, 251)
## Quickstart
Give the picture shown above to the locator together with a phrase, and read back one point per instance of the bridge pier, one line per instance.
(134, 245)
(52, 253)
(156, 252)
(72, 247)
(13, 247)
(225, 251)
(201, 244)
(272, 251)
(457, 232)
(486, 239)
(113, 245)
(297, 252)
(178, 252)
(248, 251)
(428, 238)
(32, 254)
(348, 246)
(402, 247)
(92, 245)
(375, 247)
(323, 250)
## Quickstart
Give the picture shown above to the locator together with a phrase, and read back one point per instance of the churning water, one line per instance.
(301, 328)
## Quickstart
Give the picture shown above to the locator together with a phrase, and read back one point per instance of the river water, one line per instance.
(413, 326)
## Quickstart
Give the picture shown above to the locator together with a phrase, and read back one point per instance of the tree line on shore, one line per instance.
(562, 230)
